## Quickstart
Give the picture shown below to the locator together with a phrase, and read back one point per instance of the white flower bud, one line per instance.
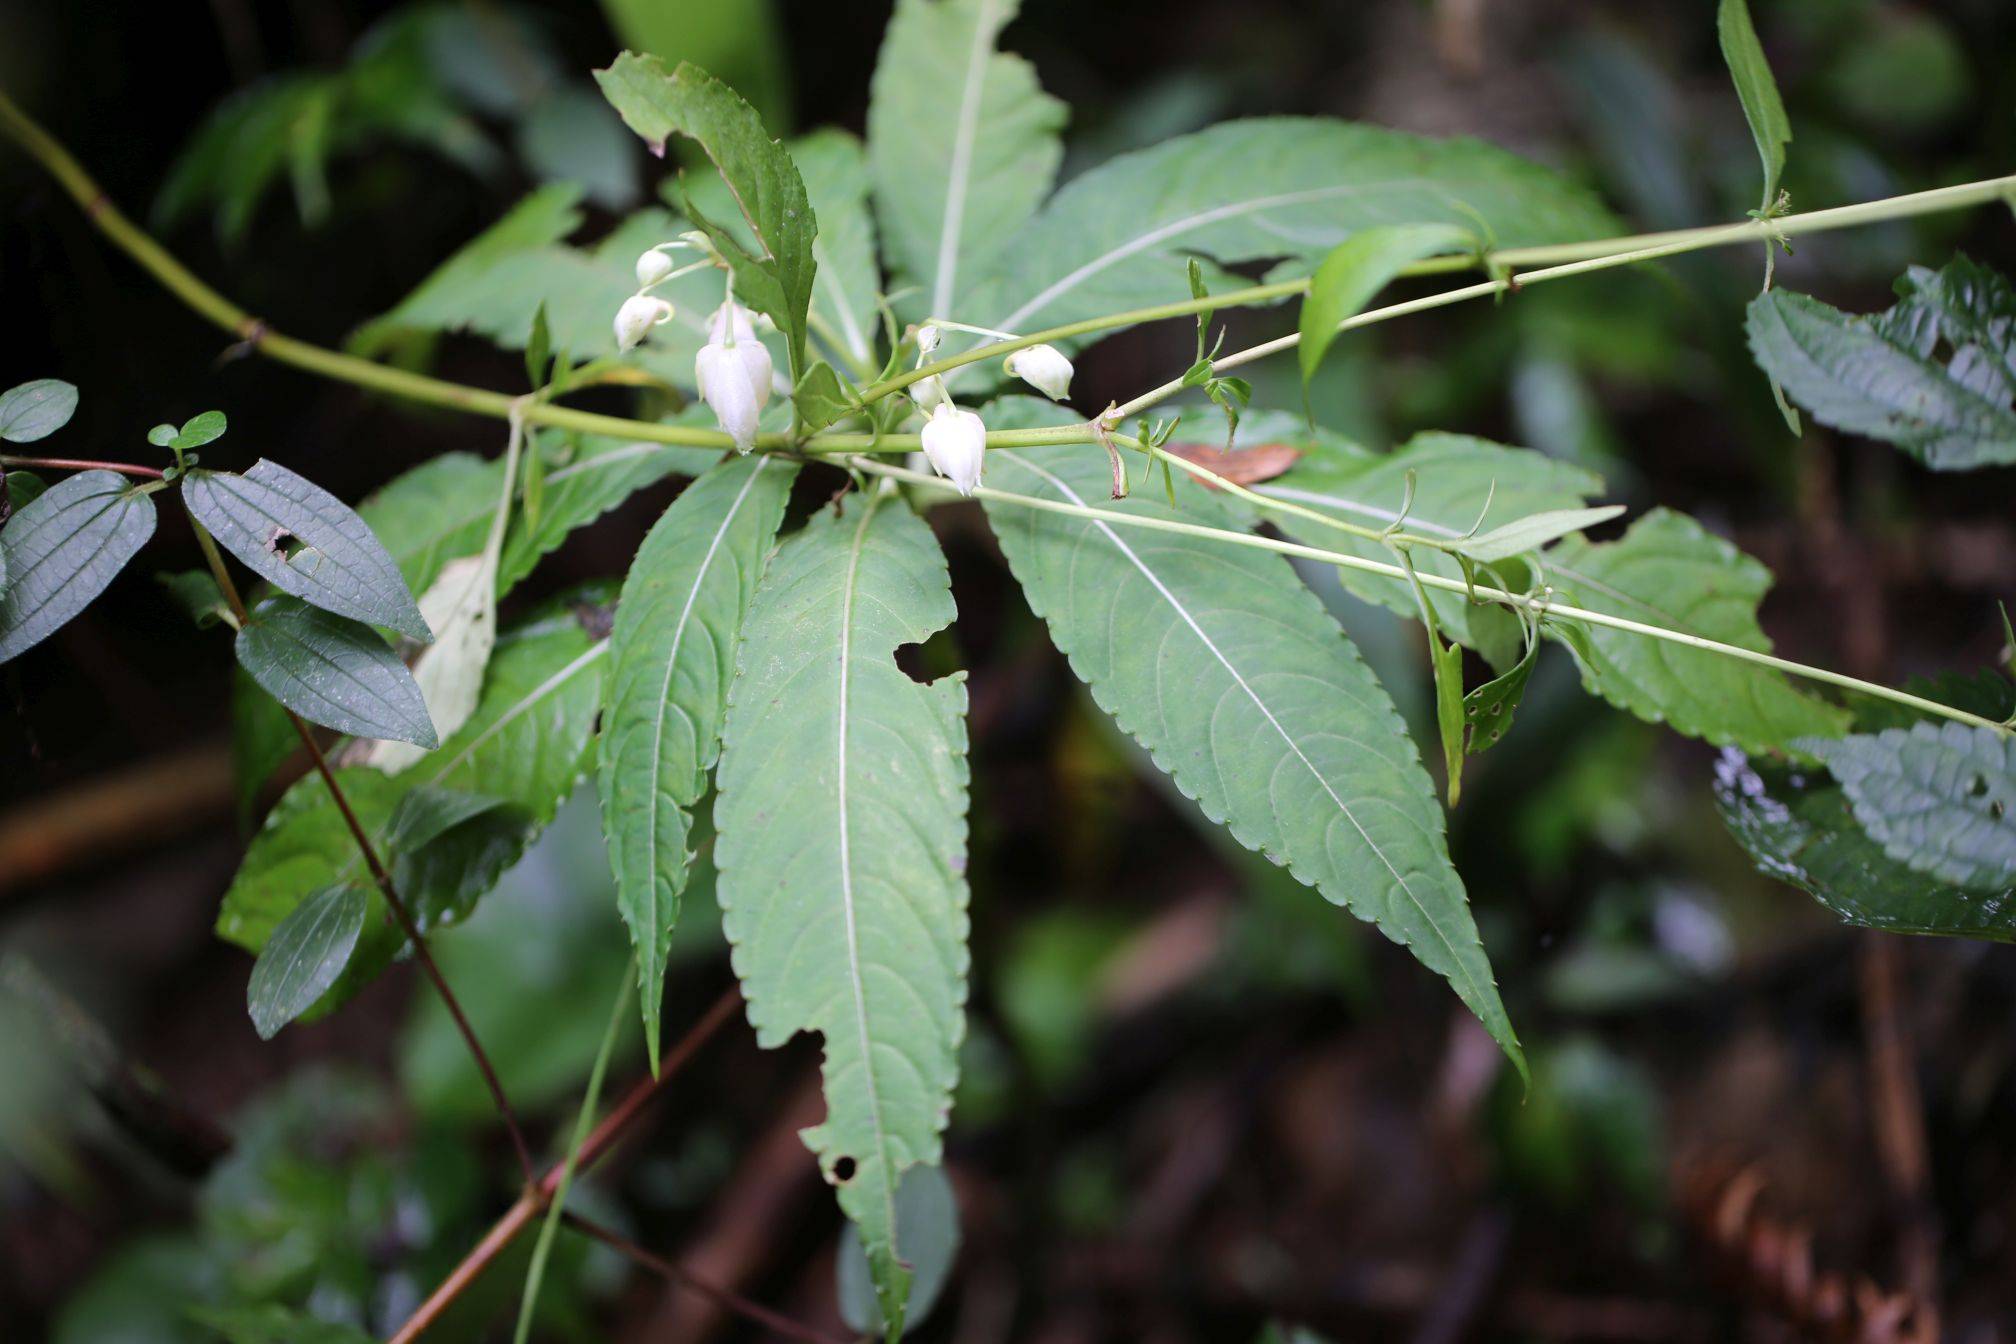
(1044, 368)
(955, 443)
(735, 381)
(639, 313)
(929, 393)
(927, 340)
(652, 267)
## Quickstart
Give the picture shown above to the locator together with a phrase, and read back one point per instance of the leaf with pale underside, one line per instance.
(333, 671)
(842, 850)
(36, 410)
(62, 549)
(672, 655)
(1533, 531)
(1938, 797)
(461, 609)
(1229, 670)
(304, 957)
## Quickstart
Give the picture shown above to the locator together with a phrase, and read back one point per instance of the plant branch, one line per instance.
(12, 463)
(520, 1215)
(1539, 607)
(379, 874)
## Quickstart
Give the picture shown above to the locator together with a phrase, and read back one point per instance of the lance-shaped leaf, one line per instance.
(1757, 90)
(1534, 531)
(1227, 668)
(1798, 826)
(1670, 572)
(36, 410)
(962, 141)
(1360, 267)
(62, 549)
(305, 541)
(333, 671)
(1934, 375)
(842, 851)
(305, 956)
(1938, 797)
(772, 262)
(672, 655)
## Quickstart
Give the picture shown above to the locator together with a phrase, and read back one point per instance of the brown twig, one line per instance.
(520, 1215)
(11, 462)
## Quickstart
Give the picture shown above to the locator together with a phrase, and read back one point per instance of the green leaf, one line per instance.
(199, 430)
(928, 1215)
(1534, 531)
(262, 738)
(1762, 107)
(23, 489)
(61, 550)
(1799, 827)
(305, 541)
(273, 1324)
(1358, 268)
(1671, 572)
(822, 398)
(570, 136)
(1459, 483)
(775, 276)
(426, 814)
(842, 848)
(539, 351)
(1935, 375)
(1487, 711)
(672, 655)
(333, 671)
(197, 593)
(36, 410)
(848, 278)
(1938, 797)
(1231, 673)
(304, 957)
(962, 145)
(1271, 187)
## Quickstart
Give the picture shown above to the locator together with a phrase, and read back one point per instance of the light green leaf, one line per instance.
(821, 398)
(62, 549)
(36, 410)
(962, 143)
(775, 276)
(1935, 375)
(672, 655)
(1762, 107)
(569, 135)
(928, 1216)
(461, 609)
(1279, 187)
(1358, 268)
(842, 818)
(1231, 673)
(304, 957)
(1669, 571)
(1534, 531)
(1938, 797)
(198, 430)
(848, 279)
(333, 671)
(305, 541)
(1455, 478)
(1799, 827)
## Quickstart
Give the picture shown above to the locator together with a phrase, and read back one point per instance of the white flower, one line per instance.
(955, 443)
(639, 313)
(731, 316)
(927, 341)
(929, 393)
(652, 267)
(1044, 368)
(734, 373)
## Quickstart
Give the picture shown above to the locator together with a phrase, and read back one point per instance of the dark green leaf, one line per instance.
(927, 1239)
(1487, 711)
(333, 671)
(63, 549)
(821, 397)
(1358, 268)
(1762, 107)
(304, 957)
(1939, 797)
(426, 814)
(539, 351)
(36, 410)
(198, 595)
(262, 737)
(23, 489)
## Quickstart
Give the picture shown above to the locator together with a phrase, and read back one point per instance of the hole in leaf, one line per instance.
(1977, 787)
(843, 1170)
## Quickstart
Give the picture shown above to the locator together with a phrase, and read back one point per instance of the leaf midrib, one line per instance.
(964, 135)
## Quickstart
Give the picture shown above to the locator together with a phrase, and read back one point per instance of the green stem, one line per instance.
(1537, 607)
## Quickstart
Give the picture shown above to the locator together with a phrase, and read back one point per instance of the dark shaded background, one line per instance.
(1195, 1099)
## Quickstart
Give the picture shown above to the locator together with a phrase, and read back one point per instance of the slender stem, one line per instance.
(1386, 536)
(1539, 607)
(11, 463)
(520, 1215)
(400, 914)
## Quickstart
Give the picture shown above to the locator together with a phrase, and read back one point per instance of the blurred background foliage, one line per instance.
(1193, 1097)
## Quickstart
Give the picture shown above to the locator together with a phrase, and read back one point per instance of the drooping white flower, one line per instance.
(639, 313)
(731, 317)
(927, 340)
(1044, 368)
(955, 443)
(929, 393)
(734, 372)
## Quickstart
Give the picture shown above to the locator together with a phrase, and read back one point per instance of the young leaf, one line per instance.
(62, 550)
(1487, 711)
(1358, 268)
(928, 1216)
(36, 410)
(776, 276)
(539, 351)
(1938, 797)
(672, 655)
(1798, 826)
(1669, 571)
(962, 142)
(821, 397)
(305, 541)
(842, 845)
(305, 956)
(333, 671)
(1231, 673)
(1757, 90)
(202, 429)
(1534, 531)
(1883, 375)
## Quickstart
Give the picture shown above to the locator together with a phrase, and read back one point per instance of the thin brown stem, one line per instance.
(679, 1277)
(11, 463)
(604, 1136)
